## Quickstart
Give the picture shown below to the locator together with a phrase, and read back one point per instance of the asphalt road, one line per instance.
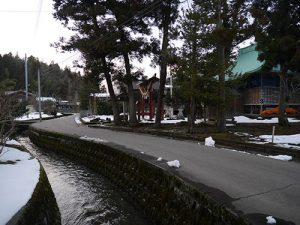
(254, 185)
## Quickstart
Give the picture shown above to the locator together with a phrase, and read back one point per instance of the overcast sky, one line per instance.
(29, 27)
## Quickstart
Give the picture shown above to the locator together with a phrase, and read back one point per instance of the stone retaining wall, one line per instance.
(165, 197)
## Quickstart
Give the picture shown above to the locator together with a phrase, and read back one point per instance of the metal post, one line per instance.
(26, 78)
(39, 95)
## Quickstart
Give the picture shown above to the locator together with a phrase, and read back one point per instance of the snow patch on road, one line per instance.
(174, 163)
(96, 140)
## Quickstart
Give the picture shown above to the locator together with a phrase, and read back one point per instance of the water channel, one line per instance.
(83, 196)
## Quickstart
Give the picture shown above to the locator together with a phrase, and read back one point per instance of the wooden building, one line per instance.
(260, 89)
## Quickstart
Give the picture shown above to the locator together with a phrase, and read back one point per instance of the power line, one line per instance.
(24, 11)
(127, 22)
(38, 17)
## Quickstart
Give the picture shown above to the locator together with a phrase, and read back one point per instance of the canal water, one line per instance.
(83, 196)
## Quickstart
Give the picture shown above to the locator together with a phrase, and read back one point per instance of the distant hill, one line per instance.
(55, 82)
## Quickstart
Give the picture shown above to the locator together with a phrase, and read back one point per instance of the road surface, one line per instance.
(254, 185)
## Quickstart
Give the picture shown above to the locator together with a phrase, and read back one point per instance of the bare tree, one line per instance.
(8, 109)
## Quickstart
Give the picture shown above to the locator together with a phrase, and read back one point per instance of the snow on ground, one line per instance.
(284, 141)
(34, 116)
(97, 140)
(174, 163)
(270, 220)
(244, 119)
(209, 142)
(159, 159)
(77, 120)
(18, 181)
(12, 142)
(171, 121)
(101, 117)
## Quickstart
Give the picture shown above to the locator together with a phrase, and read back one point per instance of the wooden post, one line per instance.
(273, 132)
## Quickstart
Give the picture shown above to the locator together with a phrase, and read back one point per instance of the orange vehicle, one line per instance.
(288, 110)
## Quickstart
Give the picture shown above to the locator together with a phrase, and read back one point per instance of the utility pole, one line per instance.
(26, 78)
(39, 95)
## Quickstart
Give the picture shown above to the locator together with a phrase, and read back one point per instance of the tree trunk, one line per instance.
(111, 92)
(163, 67)
(192, 115)
(282, 118)
(221, 100)
(131, 100)
(128, 78)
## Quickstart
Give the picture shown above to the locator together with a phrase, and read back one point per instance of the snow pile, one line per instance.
(209, 142)
(270, 220)
(174, 163)
(12, 142)
(88, 119)
(159, 159)
(244, 119)
(281, 157)
(18, 177)
(77, 120)
(96, 140)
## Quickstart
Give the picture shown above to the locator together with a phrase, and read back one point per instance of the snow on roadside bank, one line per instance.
(88, 119)
(19, 174)
(244, 119)
(96, 140)
(12, 142)
(34, 116)
(283, 141)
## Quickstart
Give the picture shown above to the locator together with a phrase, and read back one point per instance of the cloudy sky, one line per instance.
(29, 27)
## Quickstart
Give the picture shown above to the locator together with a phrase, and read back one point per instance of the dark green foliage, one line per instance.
(277, 34)
(55, 82)
(225, 24)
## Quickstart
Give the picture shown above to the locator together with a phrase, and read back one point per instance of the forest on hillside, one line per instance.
(62, 84)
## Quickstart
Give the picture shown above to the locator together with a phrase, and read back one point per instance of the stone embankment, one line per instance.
(165, 196)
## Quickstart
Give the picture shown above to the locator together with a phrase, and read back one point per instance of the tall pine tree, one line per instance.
(278, 41)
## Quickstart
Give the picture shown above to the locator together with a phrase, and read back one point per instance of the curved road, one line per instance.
(254, 185)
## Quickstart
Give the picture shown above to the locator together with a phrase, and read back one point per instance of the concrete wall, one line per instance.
(165, 197)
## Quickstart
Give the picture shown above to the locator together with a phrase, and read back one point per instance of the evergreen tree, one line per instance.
(164, 17)
(104, 35)
(189, 71)
(277, 34)
(227, 24)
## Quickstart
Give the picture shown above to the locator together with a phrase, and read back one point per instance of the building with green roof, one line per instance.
(260, 89)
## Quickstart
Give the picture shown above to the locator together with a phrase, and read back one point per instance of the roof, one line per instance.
(247, 61)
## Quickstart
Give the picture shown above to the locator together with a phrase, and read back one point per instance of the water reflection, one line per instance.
(83, 196)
